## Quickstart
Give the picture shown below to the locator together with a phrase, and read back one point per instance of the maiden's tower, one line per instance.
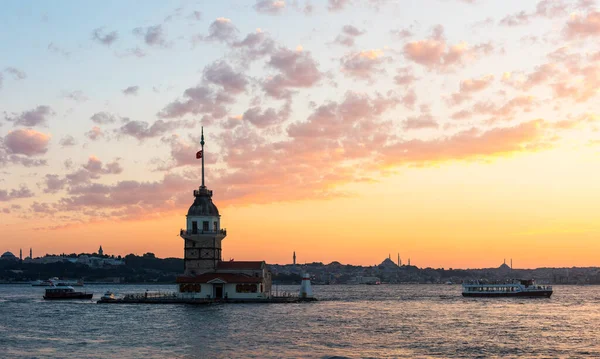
(206, 275)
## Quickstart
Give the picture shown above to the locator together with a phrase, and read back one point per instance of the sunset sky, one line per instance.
(457, 133)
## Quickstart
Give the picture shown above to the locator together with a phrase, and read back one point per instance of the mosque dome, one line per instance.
(8, 255)
(203, 204)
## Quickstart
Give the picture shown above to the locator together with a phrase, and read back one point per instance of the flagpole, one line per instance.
(202, 144)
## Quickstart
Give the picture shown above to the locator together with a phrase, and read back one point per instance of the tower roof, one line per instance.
(203, 204)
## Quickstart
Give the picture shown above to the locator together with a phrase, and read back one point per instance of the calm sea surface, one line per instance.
(385, 321)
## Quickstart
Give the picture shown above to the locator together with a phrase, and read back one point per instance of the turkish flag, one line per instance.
(199, 154)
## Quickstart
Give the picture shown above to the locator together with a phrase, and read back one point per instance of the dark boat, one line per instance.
(517, 288)
(65, 292)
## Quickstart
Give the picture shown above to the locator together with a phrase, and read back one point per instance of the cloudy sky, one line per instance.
(454, 132)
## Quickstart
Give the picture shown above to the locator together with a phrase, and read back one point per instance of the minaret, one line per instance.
(100, 251)
(203, 233)
(399, 263)
(409, 261)
(30, 253)
(20, 253)
(294, 257)
(511, 263)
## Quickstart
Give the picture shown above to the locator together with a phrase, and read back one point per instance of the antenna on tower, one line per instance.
(202, 149)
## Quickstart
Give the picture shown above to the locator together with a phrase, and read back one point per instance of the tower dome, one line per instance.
(203, 204)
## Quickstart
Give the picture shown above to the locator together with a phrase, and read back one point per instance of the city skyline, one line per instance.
(342, 130)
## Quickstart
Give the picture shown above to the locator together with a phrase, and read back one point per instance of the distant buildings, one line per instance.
(94, 261)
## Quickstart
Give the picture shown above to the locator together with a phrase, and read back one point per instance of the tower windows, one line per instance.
(215, 226)
(205, 226)
(194, 227)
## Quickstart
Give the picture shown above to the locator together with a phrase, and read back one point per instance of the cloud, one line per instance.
(67, 141)
(255, 45)
(103, 118)
(271, 7)
(363, 65)
(504, 111)
(470, 86)
(95, 133)
(347, 36)
(220, 73)
(27, 142)
(436, 53)
(131, 90)
(137, 52)
(94, 165)
(198, 100)
(337, 5)
(152, 35)
(423, 121)
(16, 73)
(581, 26)
(129, 199)
(52, 47)
(469, 144)
(77, 96)
(182, 154)
(142, 130)
(54, 183)
(268, 117)
(107, 39)
(221, 30)
(35, 117)
(518, 19)
(297, 69)
(405, 76)
(22, 192)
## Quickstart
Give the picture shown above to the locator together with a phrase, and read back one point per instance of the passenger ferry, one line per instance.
(517, 288)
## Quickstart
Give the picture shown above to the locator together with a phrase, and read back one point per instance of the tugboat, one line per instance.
(65, 292)
(517, 288)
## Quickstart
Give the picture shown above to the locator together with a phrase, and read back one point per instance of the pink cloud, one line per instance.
(95, 133)
(423, 121)
(221, 30)
(363, 64)
(436, 53)
(198, 100)
(583, 25)
(297, 69)
(22, 192)
(271, 7)
(337, 5)
(518, 19)
(470, 86)
(255, 45)
(35, 117)
(27, 142)
(222, 74)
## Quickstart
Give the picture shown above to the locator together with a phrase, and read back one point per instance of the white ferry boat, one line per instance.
(517, 288)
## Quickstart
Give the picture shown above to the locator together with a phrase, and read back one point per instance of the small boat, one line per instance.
(65, 292)
(108, 297)
(517, 288)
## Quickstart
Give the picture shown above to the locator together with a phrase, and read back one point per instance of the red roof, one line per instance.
(241, 265)
(226, 277)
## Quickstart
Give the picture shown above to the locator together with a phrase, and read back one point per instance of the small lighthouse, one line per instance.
(305, 288)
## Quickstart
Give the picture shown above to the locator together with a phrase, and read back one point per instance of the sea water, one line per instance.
(381, 321)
